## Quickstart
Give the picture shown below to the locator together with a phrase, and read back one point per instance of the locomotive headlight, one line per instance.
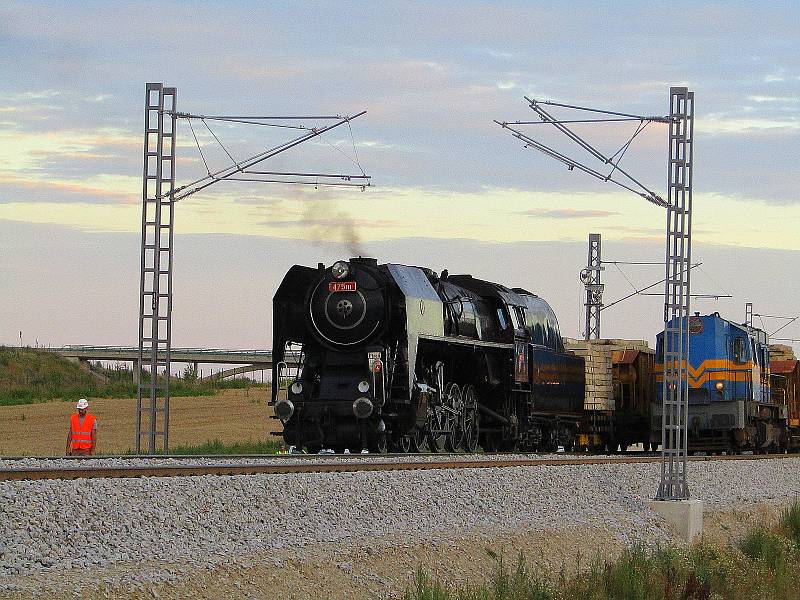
(362, 408)
(340, 269)
(363, 387)
(284, 409)
(297, 388)
(720, 386)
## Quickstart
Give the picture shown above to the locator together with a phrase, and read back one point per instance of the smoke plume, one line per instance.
(325, 222)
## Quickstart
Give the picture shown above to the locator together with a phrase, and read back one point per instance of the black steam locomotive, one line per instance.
(397, 357)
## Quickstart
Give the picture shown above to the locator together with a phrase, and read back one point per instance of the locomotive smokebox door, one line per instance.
(521, 362)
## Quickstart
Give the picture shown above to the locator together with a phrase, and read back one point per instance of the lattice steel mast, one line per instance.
(155, 287)
(159, 196)
(678, 256)
(590, 277)
(673, 485)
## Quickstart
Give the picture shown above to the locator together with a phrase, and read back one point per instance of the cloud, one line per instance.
(783, 99)
(333, 222)
(430, 97)
(102, 189)
(720, 123)
(568, 213)
(29, 96)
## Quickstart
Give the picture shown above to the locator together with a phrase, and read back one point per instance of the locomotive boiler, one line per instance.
(381, 356)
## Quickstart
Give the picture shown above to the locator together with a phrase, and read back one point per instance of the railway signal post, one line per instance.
(590, 276)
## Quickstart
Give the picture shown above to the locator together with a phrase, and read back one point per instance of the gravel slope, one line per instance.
(182, 523)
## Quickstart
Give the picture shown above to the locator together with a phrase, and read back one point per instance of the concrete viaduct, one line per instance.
(246, 361)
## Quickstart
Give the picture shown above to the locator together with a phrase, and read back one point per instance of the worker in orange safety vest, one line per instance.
(82, 434)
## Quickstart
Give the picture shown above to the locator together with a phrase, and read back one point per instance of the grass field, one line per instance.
(233, 416)
(218, 447)
(763, 564)
(30, 375)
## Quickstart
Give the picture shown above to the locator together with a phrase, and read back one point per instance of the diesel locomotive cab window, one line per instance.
(738, 350)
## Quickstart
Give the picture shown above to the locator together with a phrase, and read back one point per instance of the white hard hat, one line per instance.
(82, 403)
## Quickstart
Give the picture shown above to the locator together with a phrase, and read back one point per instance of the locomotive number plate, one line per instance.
(342, 286)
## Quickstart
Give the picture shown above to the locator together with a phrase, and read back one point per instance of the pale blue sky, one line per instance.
(432, 76)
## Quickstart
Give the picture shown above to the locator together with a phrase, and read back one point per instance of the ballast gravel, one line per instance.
(292, 459)
(50, 526)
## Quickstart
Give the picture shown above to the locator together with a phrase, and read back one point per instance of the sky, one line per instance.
(449, 188)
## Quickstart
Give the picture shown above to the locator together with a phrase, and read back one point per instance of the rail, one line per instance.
(332, 465)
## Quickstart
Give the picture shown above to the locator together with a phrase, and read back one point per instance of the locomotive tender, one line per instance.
(396, 356)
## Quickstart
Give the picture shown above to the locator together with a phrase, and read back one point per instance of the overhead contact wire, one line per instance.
(604, 112)
(355, 151)
(199, 149)
(234, 120)
(630, 283)
(233, 160)
(546, 117)
(342, 152)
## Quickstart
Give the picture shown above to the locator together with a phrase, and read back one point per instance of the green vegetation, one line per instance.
(764, 565)
(790, 522)
(270, 446)
(28, 375)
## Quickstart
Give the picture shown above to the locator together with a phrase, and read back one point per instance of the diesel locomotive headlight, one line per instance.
(340, 269)
(297, 388)
(719, 385)
(363, 387)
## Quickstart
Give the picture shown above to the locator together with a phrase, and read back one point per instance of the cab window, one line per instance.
(520, 312)
(738, 350)
(501, 318)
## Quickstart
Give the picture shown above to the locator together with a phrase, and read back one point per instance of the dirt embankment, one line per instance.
(232, 416)
(382, 568)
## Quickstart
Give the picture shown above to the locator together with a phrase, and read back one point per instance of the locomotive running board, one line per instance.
(466, 341)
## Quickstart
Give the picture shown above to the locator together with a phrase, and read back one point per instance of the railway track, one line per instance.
(329, 464)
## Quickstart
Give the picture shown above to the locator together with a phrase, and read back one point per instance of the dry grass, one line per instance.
(232, 416)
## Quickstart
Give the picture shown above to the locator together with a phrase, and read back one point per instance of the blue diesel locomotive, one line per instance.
(731, 405)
